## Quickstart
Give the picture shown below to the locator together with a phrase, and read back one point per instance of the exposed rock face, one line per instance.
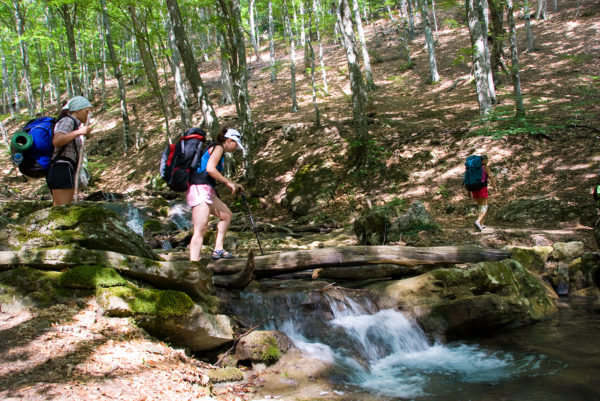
(312, 187)
(482, 297)
(531, 258)
(567, 251)
(90, 226)
(385, 224)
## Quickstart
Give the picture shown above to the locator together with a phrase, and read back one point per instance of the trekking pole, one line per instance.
(252, 222)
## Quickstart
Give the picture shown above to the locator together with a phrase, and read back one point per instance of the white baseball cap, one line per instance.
(235, 135)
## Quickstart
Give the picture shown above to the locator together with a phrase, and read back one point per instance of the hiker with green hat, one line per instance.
(69, 146)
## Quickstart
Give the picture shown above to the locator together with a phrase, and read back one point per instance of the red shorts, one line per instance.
(480, 193)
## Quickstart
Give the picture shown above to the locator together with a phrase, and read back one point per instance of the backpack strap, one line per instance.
(62, 148)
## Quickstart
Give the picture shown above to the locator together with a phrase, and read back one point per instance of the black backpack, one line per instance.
(180, 159)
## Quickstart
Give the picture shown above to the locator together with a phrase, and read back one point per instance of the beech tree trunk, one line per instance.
(150, 67)
(65, 11)
(496, 11)
(117, 73)
(514, 53)
(360, 151)
(293, 261)
(292, 41)
(321, 61)
(253, 28)
(191, 70)
(480, 65)
(20, 20)
(272, 44)
(527, 13)
(434, 76)
(312, 69)
(370, 85)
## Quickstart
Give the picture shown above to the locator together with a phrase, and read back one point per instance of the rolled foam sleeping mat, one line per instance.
(21, 141)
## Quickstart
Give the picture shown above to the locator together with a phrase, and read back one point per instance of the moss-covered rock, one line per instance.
(228, 374)
(482, 297)
(585, 271)
(262, 346)
(87, 225)
(531, 258)
(145, 302)
(312, 187)
(90, 277)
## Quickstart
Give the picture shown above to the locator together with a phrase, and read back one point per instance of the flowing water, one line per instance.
(383, 354)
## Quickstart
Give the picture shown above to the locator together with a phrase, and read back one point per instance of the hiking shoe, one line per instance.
(478, 226)
(221, 254)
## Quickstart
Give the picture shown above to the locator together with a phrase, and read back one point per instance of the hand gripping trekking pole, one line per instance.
(251, 222)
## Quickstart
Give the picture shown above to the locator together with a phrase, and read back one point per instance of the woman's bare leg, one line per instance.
(200, 216)
(63, 196)
(219, 209)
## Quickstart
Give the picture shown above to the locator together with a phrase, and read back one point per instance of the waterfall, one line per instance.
(382, 351)
(134, 220)
(180, 215)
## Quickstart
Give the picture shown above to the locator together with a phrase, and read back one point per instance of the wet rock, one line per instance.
(262, 346)
(86, 225)
(531, 258)
(567, 251)
(481, 297)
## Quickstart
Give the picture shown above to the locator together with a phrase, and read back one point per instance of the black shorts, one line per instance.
(60, 176)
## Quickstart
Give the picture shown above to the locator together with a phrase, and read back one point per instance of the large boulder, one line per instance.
(312, 187)
(87, 225)
(531, 258)
(262, 346)
(169, 315)
(479, 298)
(384, 224)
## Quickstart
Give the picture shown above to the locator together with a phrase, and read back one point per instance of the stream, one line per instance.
(383, 355)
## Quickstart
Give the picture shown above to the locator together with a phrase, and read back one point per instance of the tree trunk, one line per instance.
(497, 12)
(514, 53)
(180, 88)
(478, 39)
(20, 20)
(65, 12)
(370, 85)
(150, 67)
(527, 13)
(40, 59)
(312, 69)
(272, 44)
(360, 153)
(542, 10)
(191, 71)
(117, 73)
(321, 60)
(54, 79)
(292, 41)
(293, 261)
(226, 84)
(434, 76)
(366, 272)
(239, 75)
(240, 280)
(253, 29)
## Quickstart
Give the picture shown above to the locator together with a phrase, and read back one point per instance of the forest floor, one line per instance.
(423, 132)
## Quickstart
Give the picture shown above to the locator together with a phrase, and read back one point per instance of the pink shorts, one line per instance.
(198, 193)
(481, 193)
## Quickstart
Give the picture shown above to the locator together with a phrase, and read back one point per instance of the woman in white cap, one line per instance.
(68, 145)
(202, 197)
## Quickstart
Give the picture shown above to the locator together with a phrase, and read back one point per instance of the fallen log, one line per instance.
(195, 280)
(366, 272)
(293, 261)
(240, 280)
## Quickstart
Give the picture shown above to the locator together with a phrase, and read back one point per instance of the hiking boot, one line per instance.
(478, 226)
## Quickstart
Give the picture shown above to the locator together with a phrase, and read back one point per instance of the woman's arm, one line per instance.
(488, 171)
(211, 169)
(62, 138)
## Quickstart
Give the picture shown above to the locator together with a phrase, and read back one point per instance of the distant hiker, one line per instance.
(202, 196)
(477, 175)
(596, 191)
(68, 143)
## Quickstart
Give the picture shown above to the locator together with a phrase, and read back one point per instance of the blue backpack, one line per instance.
(473, 173)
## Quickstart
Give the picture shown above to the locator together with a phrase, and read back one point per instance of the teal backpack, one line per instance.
(473, 173)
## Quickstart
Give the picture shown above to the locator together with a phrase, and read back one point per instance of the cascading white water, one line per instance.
(391, 356)
(134, 222)
(180, 215)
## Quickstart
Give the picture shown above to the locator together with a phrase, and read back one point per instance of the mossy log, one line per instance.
(412, 257)
(195, 280)
(239, 280)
